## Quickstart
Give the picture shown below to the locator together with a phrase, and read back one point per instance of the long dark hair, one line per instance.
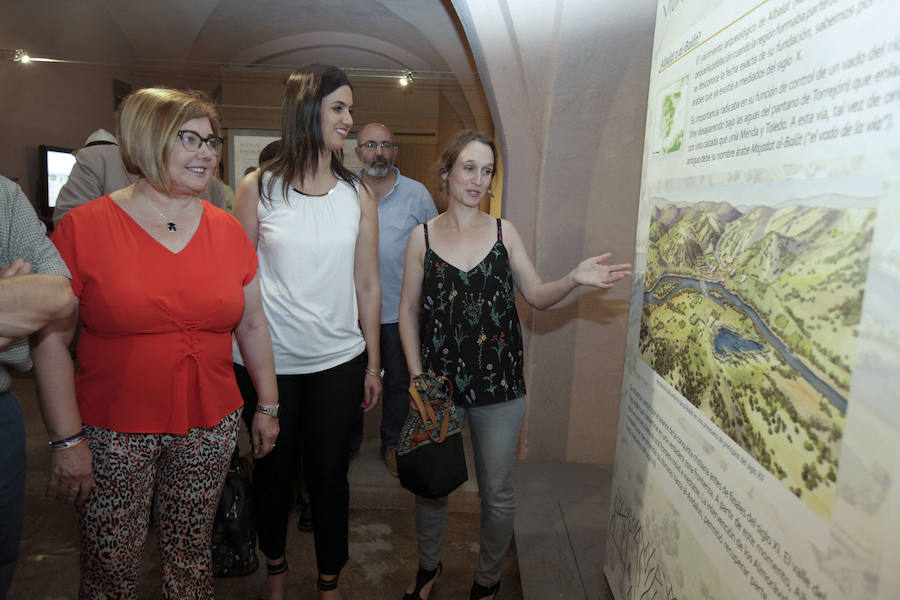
(302, 141)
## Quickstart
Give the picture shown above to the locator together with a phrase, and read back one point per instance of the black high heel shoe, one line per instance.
(277, 569)
(423, 578)
(480, 591)
(326, 585)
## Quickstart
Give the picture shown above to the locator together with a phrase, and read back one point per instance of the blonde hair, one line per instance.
(149, 121)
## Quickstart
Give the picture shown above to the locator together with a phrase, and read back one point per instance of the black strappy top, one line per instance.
(469, 328)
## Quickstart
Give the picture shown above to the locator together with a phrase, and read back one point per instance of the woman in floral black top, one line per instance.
(458, 319)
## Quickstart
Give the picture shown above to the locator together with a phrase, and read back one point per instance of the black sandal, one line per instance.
(326, 585)
(278, 569)
(480, 591)
(423, 578)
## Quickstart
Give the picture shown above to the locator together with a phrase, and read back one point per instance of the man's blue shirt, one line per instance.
(407, 204)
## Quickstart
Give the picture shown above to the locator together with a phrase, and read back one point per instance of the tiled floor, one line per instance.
(382, 536)
(561, 529)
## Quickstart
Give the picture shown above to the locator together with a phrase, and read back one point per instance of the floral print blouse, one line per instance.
(469, 328)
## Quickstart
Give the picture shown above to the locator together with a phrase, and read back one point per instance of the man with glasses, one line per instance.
(99, 171)
(403, 203)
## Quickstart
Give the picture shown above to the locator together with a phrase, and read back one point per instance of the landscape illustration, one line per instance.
(752, 314)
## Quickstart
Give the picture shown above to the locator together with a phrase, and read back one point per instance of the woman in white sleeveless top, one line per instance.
(316, 233)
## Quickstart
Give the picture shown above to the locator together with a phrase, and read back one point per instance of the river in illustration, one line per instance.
(735, 343)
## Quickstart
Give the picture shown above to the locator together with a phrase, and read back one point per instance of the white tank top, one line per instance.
(306, 249)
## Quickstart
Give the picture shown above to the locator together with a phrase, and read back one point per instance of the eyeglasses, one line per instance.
(191, 140)
(386, 146)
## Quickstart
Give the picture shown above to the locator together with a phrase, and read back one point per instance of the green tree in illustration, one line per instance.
(668, 122)
(668, 112)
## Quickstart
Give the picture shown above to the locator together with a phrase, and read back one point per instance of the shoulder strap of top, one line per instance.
(499, 232)
(425, 225)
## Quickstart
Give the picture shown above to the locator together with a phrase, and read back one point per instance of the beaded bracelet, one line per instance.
(68, 442)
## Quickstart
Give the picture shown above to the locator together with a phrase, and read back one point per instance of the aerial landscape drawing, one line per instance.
(752, 314)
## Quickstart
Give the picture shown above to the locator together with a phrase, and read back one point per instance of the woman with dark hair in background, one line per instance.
(162, 280)
(458, 319)
(316, 232)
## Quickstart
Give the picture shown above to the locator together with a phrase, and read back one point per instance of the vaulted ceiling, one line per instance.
(193, 35)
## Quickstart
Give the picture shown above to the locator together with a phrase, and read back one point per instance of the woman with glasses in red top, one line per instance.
(162, 279)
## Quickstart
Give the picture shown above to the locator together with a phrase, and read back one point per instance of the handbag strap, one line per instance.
(445, 423)
(427, 412)
(423, 408)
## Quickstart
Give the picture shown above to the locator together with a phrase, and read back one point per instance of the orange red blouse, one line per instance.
(154, 351)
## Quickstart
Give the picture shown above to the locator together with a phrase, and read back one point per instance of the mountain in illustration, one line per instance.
(666, 214)
(657, 230)
(684, 234)
(746, 231)
(762, 241)
(838, 201)
(722, 211)
(679, 247)
(805, 226)
(669, 213)
(771, 254)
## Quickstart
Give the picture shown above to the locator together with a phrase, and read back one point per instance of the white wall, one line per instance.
(567, 84)
(57, 106)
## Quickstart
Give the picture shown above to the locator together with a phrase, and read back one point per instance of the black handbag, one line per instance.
(430, 457)
(234, 528)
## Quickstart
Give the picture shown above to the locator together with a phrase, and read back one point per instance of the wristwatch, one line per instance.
(268, 410)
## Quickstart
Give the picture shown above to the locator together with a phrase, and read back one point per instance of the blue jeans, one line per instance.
(495, 432)
(12, 486)
(395, 402)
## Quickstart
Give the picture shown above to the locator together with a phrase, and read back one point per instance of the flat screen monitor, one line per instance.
(55, 165)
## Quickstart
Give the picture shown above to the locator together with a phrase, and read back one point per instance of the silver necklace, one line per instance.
(169, 222)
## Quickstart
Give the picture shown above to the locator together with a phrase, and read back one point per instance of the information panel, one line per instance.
(244, 146)
(758, 446)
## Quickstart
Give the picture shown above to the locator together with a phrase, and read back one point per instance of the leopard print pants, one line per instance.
(177, 479)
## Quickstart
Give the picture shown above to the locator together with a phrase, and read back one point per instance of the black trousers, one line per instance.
(317, 413)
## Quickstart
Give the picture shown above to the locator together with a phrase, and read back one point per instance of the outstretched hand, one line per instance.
(594, 272)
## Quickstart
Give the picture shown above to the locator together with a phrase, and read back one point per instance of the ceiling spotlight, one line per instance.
(21, 56)
(406, 79)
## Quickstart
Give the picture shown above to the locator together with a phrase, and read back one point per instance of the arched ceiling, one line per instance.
(368, 34)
